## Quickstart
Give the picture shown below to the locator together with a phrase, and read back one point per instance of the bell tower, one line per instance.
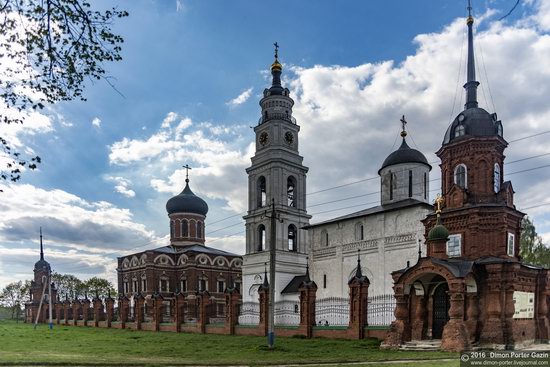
(276, 175)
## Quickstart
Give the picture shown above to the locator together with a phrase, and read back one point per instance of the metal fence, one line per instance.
(248, 313)
(287, 313)
(191, 311)
(215, 313)
(332, 311)
(380, 310)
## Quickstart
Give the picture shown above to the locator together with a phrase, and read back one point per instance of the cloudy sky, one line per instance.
(192, 75)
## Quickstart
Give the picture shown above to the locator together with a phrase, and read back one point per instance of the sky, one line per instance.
(187, 92)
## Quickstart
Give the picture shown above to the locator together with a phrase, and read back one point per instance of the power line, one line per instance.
(377, 177)
(357, 196)
(416, 184)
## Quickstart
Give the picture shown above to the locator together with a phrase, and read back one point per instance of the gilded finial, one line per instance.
(276, 66)
(403, 123)
(439, 201)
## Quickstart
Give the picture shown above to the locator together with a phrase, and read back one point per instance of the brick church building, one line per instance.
(472, 288)
(187, 265)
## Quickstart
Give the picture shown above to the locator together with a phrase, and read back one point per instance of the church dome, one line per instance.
(404, 154)
(438, 232)
(187, 202)
(473, 121)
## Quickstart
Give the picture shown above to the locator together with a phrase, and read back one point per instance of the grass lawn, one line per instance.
(69, 345)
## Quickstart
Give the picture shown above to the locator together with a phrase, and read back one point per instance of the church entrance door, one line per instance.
(440, 310)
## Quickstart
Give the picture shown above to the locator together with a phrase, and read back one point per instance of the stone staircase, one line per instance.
(422, 345)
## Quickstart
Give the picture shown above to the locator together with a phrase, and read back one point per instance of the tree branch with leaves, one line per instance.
(48, 50)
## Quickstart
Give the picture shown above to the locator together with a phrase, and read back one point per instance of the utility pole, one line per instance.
(50, 297)
(272, 254)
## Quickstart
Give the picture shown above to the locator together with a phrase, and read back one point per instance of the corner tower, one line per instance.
(276, 174)
(478, 208)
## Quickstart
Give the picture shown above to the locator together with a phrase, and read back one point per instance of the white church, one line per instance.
(387, 236)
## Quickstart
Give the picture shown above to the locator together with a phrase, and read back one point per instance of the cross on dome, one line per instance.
(187, 168)
(276, 50)
(403, 123)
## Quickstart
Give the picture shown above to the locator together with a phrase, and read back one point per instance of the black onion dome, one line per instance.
(475, 122)
(186, 202)
(42, 265)
(404, 154)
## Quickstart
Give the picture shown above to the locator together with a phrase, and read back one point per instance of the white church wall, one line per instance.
(390, 240)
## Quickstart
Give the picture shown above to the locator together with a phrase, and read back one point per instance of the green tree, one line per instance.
(14, 296)
(48, 50)
(100, 286)
(68, 285)
(532, 249)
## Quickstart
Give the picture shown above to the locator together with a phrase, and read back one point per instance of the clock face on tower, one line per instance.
(289, 138)
(264, 138)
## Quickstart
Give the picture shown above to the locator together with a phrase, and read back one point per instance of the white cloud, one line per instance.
(542, 14)
(96, 122)
(180, 7)
(122, 186)
(69, 219)
(215, 153)
(241, 98)
(81, 237)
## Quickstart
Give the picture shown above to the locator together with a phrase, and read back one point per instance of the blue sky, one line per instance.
(190, 82)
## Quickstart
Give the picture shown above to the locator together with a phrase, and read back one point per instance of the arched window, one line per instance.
(461, 178)
(184, 228)
(192, 228)
(410, 183)
(291, 191)
(499, 129)
(172, 229)
(496, 178)
(425, 185)
(460, 130)
(183, 285)
(199, 229)
(261, 237)
(261, 191)
(359, 232)
(164, 284)
(393, 183)
(324, 237)
(292, 238)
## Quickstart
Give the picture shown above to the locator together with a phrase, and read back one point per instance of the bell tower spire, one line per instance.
(41, 246)
(471, 82)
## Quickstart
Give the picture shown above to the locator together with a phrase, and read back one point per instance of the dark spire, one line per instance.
(41, 246)
(266, 283)
(307, 279)
(471, 83)
(358, 271)
(419, 249)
